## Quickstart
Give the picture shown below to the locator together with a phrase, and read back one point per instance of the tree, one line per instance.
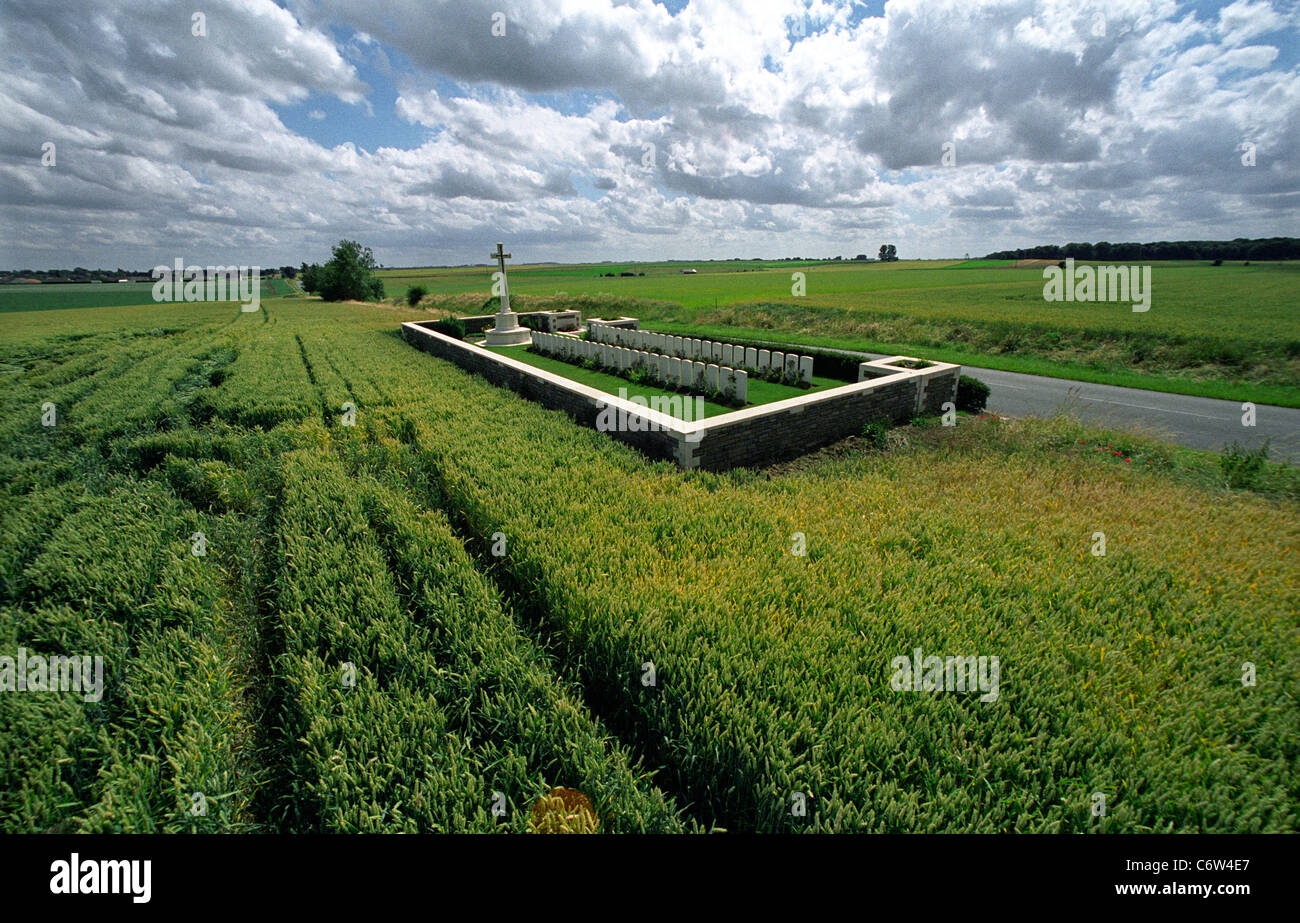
(888, 253)
(415, 293)
(348, 276)
(311, 278)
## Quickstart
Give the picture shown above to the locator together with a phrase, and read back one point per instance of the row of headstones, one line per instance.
(792, 367)
(669, 370)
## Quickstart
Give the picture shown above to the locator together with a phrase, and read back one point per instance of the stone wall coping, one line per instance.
(682, 428)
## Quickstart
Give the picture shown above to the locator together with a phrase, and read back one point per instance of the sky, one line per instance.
(254, 133)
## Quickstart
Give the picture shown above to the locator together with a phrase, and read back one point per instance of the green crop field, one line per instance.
(44, 297)
(424, 602)
(1229, 331)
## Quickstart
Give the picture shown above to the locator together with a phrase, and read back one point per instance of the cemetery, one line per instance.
(794, 418)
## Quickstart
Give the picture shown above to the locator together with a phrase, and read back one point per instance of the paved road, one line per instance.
(1198, 422)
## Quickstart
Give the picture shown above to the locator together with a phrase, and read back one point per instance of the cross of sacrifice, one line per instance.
(501, 256)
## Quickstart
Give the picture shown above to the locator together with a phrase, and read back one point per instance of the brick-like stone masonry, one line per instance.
(750, 437)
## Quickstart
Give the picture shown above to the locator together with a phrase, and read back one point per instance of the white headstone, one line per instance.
(764, 360)
(742, 385)
(711, 377)
(791, 368)
(751, 357)
(778, 363)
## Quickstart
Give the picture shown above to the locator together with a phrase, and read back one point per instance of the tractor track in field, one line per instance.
(537, 622)
(311, 376)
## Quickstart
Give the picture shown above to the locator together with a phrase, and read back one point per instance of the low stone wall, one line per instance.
(749, 437)
(537, 320)
(628, 323)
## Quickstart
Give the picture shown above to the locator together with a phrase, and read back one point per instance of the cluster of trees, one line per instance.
(348, 276)
(888, 253)
(1241, 248)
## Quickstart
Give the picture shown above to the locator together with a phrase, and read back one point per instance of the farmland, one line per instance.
(94, 294)
(1229, 331)
(427, 617)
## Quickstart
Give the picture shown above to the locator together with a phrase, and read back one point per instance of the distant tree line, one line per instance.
(80, 274)
(1240, 248)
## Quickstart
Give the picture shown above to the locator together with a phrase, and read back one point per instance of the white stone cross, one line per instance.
(507, 331)
(501, 256)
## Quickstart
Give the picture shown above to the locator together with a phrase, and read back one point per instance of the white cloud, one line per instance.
(597, 130)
